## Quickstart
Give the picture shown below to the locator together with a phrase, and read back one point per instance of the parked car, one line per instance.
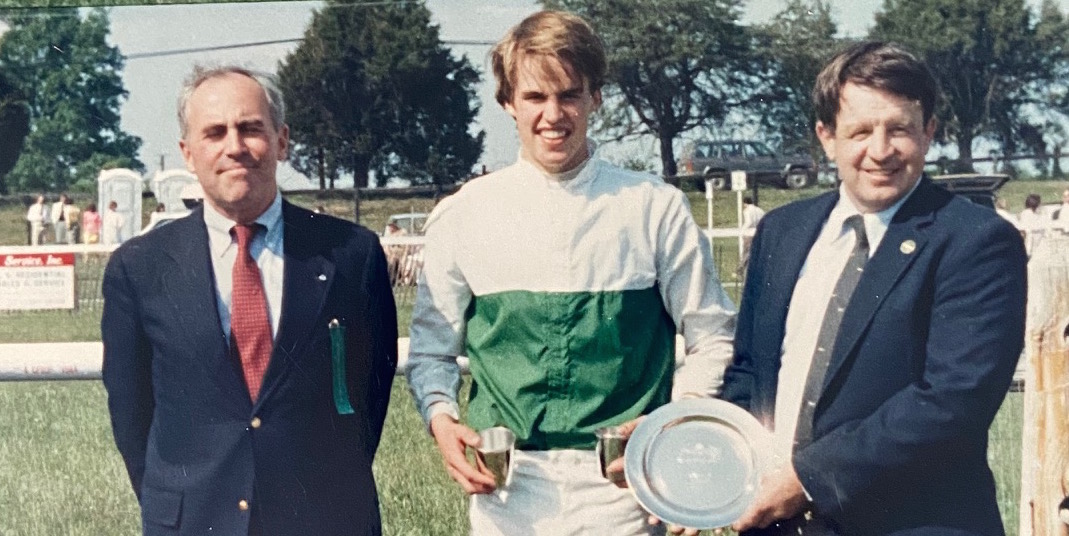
(412, 223)
(980, 188)
(715, 160)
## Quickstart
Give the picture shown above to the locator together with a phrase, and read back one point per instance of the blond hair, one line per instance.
(554, 34)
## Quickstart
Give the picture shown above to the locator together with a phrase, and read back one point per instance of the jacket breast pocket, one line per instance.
(160, 507)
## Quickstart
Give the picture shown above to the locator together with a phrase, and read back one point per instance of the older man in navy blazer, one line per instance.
(880, 403)
(249, 348)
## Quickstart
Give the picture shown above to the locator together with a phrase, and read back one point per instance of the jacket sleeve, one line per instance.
(740, 376)
(127, 369)
(974, 339)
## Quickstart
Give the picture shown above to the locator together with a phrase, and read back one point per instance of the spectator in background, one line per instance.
(1032, 221)
(73, 217)
(114, 222)
(1061, 214)
(58, 219)
(36, 216)
(751, 215)
(1030, 217)
(156, 214)
(395, 253)
(91, 224)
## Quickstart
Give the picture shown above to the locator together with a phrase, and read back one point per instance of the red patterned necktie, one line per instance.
(250, 328)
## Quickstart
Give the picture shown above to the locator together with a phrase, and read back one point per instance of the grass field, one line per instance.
(61, 475)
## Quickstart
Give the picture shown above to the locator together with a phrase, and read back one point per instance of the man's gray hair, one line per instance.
(275, 102)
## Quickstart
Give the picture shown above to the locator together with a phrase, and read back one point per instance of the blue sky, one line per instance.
(153, 83)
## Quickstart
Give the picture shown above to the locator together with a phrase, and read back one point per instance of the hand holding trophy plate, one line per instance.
(697, 463)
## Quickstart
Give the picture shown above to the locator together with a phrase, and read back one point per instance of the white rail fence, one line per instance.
(82, 360)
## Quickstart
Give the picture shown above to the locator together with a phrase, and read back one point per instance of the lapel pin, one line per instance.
(322, 277)
(907, 247)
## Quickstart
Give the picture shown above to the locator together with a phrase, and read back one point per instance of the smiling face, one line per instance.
(551, 105)
(878, 142)
(232, 146)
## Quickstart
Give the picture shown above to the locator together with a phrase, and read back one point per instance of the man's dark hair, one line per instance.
(879, 65)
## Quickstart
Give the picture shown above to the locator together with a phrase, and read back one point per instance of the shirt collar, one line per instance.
(572, 178)
(876, 223)
(219, 239)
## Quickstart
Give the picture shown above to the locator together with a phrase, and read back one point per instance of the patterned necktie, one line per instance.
(829, 329)
(250, 329)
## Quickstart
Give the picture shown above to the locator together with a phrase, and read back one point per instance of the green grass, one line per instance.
(60, 472)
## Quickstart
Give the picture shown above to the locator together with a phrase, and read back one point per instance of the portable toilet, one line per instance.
(168, 185)
(123, 186)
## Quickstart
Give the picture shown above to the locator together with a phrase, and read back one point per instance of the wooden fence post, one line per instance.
(1045, 438)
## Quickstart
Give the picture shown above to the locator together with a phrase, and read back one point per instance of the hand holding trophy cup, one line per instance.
(494, 454)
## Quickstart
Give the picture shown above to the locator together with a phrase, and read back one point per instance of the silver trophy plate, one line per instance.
(697, 463)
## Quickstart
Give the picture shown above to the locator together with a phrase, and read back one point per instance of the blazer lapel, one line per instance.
(901, 245)
(787, 254)
(306, 277)
(189, 281)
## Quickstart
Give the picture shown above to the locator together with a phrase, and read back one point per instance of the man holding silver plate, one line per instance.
(879, 384)
(565, 280)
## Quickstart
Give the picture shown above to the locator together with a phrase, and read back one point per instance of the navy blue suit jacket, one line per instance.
(181, 412)
(923, 359)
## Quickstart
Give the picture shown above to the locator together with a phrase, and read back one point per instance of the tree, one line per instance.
(14, 124)
(993, 59)
(71, 79)
(797, 42)
(674, 65)
(372, 89)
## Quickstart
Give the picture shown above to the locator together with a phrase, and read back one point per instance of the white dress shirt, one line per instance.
(266, 248)
(816, 282)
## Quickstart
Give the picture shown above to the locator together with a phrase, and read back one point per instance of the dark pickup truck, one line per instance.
(715, 160)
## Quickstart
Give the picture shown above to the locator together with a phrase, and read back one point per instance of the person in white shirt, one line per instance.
(36, 217)
(114, 225)
(1060, 216)
(1032, 221)
(564, 280)
(751, 215)
(58, 219)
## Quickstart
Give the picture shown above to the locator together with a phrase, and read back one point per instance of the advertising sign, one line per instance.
(36, 281)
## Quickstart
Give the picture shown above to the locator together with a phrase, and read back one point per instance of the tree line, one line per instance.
(372, 91)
